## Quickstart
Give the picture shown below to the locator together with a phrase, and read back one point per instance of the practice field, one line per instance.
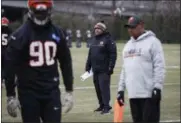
(85, 96)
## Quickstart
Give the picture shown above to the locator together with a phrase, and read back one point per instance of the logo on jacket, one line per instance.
(55, 37)
(132, 53)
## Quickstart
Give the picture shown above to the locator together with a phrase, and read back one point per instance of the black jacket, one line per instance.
(102, 54)
(32, 55)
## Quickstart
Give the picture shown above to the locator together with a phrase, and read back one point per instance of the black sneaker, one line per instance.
(98, 109)
(106, 110)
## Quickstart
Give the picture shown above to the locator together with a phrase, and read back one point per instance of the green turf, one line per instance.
(86, 101)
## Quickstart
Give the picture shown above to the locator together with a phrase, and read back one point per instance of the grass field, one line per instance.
(85, 96)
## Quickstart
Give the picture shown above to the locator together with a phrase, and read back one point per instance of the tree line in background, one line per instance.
(166, 25)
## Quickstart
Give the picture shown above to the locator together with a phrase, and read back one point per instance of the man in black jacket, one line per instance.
(69, 37)
(78, 38)
(32, 55)
(102, 58)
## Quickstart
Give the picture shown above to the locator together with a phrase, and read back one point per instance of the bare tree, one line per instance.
(171, 22)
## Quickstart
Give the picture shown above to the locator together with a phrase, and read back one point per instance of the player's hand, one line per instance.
(156, 94)
(120, 98)
(12, 106)
(110, 72)
(68, 102)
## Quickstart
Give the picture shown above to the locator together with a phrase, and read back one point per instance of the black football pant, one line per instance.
(36, 108)
(78, 43)
(145, 110)
(2, 68)
(102, 87)
(88, 42)
(69, 43)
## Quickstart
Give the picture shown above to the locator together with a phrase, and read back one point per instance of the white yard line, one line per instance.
(170, 121)
(173, 66)
(175, 51)
(170, 66)
(112, 86)
(162, 121)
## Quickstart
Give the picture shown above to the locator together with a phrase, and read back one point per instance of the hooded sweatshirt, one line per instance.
(143, 66)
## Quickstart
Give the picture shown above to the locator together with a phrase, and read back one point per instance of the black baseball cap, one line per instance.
(133, 21)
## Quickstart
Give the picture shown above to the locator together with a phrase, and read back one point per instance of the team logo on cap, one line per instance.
(131, 20)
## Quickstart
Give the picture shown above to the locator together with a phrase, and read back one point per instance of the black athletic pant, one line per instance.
(69, 43)
(78, 43)
(2, 67)
(102, 87)
(36, 108)
(88, 42)
(145, 110)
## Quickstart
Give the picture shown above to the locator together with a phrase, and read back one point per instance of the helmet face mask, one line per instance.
(40, 12)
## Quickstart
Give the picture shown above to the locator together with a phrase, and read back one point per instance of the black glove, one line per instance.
(110, 71)
(156, 94)
(120, 98)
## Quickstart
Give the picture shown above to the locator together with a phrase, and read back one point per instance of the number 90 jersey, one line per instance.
(34, 51)
(5, 32)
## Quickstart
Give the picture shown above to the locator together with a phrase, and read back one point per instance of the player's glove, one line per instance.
(12, 106)
(156, 94)
(120, 98)
(68, 102)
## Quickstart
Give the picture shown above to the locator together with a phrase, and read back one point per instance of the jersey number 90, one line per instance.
(43, 52)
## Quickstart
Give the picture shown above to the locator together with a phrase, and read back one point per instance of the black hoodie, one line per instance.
(32, 55)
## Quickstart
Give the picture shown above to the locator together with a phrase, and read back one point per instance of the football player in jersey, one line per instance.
(6, 31)
(78, 38)
(33, 54)
(69, 37)
(88, 37)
